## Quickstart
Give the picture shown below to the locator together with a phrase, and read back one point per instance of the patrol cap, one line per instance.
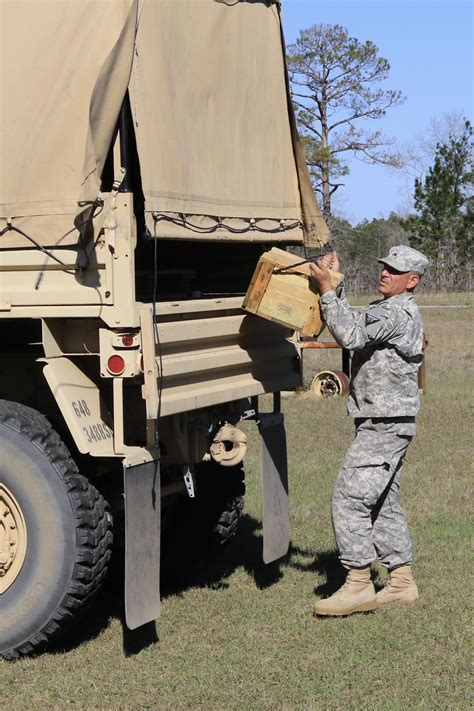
(406, 259)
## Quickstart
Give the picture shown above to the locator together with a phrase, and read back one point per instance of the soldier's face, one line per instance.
(393, 282)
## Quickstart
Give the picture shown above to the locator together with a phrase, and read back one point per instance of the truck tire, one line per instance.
(228, 521)
(220, 500)
(55, 534)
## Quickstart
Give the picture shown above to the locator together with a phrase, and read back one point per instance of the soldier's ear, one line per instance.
(413, 280)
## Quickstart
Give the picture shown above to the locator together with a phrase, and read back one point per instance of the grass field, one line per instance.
(235, 634)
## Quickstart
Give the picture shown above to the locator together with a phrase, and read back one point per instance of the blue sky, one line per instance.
(429, 44)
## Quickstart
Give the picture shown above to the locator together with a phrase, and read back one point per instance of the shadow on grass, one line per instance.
(326, 564)
(187, 561)
(185, 565)
(190, 562)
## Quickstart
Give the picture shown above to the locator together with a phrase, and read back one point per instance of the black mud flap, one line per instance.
(276, 519)
(142, 543)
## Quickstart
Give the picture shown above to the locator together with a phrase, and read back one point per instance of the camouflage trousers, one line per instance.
(367, 514)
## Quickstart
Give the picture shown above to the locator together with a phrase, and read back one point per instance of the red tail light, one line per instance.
(127, 340)
(116, 365)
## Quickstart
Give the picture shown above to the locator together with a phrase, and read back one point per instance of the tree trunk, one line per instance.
(326, 191)
(325, 165)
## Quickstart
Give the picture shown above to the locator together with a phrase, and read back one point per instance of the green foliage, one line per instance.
(317, 156)
(335, 84)
(444, 204)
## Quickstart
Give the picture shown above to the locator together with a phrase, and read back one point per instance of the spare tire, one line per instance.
(55, 534)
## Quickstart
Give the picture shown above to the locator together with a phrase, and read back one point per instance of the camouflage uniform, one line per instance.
(387, 339)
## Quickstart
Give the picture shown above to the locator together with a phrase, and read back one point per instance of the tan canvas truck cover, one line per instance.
(219, 154)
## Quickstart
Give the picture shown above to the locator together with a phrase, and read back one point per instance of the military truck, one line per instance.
(149, 156)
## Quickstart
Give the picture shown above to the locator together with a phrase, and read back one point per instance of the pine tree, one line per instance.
(336, 90)
(444, 203)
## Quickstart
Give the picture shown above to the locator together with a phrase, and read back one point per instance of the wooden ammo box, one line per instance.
(287, 297)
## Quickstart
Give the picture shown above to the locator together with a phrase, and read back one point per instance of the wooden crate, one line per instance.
(288, 297)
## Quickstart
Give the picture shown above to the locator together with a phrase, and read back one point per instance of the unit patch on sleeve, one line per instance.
(375, 320)
(370, 319)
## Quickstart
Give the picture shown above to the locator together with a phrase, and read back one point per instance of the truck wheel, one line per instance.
(229, 518)
(204, 522)
(55, 537)
(220, 500)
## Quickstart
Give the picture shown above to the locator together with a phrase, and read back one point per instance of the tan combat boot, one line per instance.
(401, 587)
(356, 595)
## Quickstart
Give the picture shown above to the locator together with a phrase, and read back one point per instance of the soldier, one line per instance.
(386, 339)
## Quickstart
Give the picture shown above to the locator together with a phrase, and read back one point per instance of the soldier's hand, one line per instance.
(329, 261)
(326, 262)
(320, 276)
(335, 266)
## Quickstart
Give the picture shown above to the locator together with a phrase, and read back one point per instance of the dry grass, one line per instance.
(428, 298)
(235, 634)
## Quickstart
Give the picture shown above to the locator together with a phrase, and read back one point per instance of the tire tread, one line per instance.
(93, 524)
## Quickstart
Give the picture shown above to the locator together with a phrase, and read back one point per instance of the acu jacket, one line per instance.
(387, 341)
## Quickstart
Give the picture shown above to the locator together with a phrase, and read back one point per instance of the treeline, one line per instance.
(359, 248)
